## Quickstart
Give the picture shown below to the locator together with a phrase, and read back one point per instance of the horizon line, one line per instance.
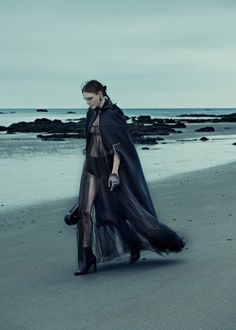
(135, 108)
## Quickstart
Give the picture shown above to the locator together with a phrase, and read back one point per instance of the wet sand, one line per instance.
(194, 289)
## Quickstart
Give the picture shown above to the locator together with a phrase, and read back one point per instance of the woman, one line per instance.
(115, 211)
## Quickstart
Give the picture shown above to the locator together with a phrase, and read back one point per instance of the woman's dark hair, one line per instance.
(94, 86)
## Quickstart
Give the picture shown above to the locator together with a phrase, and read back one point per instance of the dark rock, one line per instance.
(229, 118)
(197, 120)
(145, 148)
(205, 129)
(144, 119)
(163, 120)
(179, 125)
(163, 129)
(203, 138)
(3, 128)
(49, 126)
(185, 140)
(196, 115)
(144, 140)
(58, 137)
(41, 120)
(139, 129)
(234, 144)
(71, 112)
(42, 110)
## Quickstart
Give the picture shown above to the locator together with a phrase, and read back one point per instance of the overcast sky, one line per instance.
(149, 53)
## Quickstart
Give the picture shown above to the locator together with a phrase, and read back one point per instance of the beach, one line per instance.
(190, 290)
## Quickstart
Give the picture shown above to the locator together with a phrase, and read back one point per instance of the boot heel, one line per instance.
(90, 262)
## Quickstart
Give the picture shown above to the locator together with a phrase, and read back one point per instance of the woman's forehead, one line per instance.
(88, 95)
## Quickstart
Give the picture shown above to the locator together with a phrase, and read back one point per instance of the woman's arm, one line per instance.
(116, 163)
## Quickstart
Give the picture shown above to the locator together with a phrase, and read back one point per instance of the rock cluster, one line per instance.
(143, 129)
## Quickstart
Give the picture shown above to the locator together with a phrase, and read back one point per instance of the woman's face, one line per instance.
(93, 100)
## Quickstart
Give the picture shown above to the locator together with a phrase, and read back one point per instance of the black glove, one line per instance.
(113, 181)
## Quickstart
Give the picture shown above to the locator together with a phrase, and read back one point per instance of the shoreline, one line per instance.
(51, 173)
(152, 185)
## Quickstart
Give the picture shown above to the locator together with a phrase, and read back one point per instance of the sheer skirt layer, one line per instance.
(130, 227)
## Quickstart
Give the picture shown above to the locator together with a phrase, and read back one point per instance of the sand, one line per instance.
(194, 289)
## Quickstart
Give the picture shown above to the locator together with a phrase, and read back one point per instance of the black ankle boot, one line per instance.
(90, 260)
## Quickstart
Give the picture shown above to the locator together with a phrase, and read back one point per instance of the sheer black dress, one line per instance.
(116, 222)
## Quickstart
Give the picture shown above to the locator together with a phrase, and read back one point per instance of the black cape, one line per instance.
(125, 217)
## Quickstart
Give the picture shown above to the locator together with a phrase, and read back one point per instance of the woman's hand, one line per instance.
(113, 181)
